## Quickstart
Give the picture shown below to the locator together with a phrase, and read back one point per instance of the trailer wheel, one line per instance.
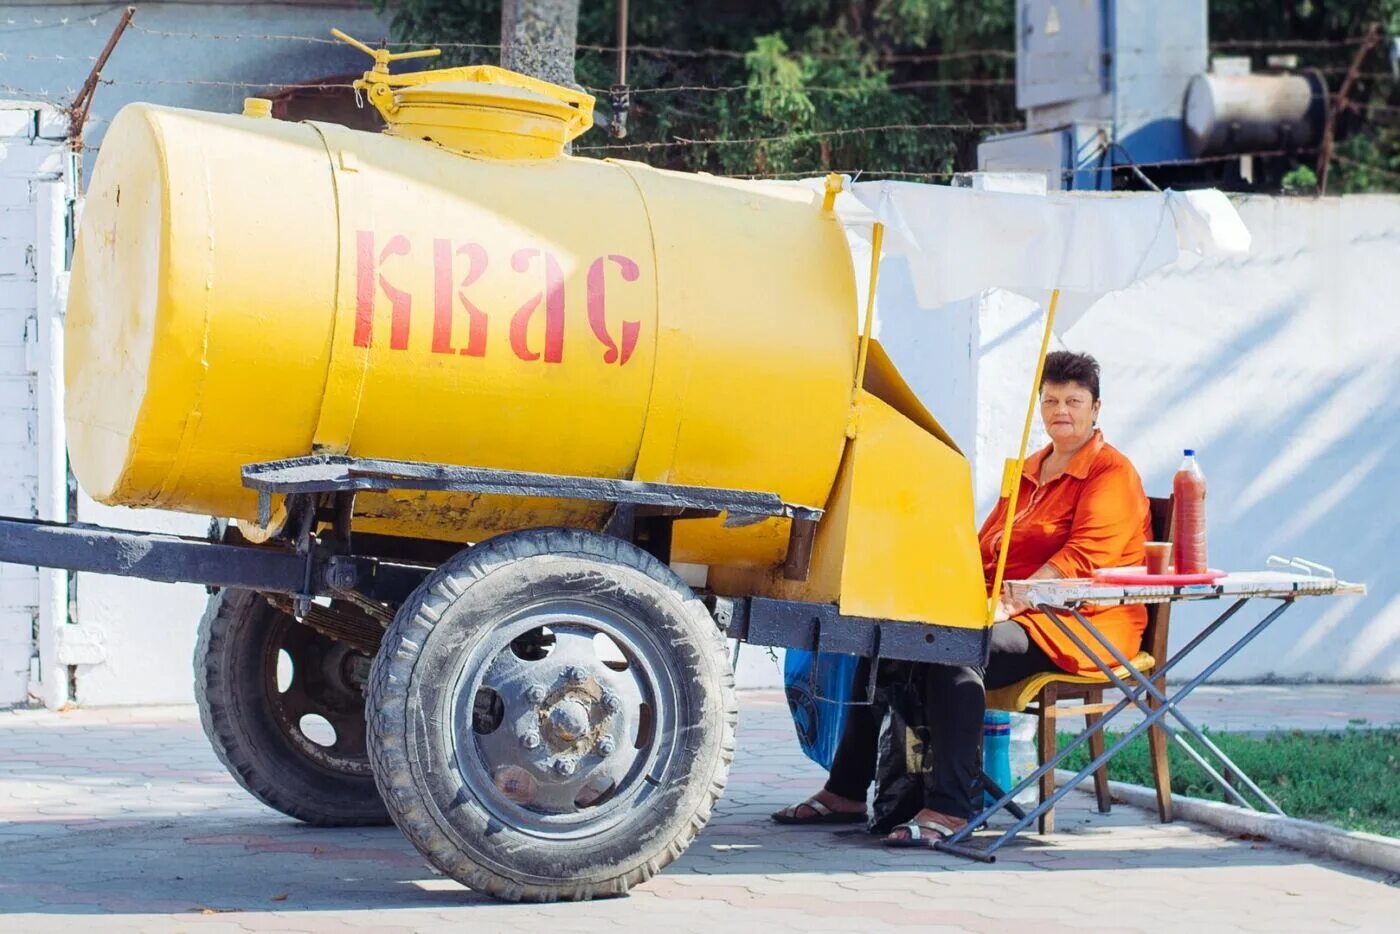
(552, 716)
(297, 747)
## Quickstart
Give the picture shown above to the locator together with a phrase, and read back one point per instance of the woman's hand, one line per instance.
(1007, 608)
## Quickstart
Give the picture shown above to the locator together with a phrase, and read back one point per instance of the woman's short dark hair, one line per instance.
(1062, 366)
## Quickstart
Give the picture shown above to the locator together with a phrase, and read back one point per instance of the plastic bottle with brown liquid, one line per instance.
(1189, 523)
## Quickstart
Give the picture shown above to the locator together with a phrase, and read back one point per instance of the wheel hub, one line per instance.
(572, 732)
(568, 721)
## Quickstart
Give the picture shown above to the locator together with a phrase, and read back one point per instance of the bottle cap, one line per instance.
(1190, 452)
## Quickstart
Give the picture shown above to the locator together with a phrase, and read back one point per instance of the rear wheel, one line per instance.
(283, 707)
(552, 716)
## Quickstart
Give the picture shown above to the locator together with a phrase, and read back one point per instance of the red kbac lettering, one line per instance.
(619, 342)
(553, 299)
(598, 311)
(366, 273)
(476, 333)
(443, 296)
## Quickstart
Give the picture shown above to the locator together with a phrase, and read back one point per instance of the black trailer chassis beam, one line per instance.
(271, 569)
(820, 627)
(179, 559)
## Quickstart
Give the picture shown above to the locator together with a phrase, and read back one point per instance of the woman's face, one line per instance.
(1069, 412)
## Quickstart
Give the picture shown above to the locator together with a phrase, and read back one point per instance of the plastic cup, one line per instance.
(1159, 557)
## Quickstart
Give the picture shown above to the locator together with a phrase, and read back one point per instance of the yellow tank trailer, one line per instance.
(528, 384)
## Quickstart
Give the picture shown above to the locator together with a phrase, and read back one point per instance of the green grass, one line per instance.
(1349, 779)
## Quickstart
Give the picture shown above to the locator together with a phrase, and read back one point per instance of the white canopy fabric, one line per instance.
(960, 242)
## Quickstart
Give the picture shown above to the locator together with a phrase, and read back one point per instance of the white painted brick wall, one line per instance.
(23, 158)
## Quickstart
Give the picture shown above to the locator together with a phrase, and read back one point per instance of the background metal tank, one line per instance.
(455, 291)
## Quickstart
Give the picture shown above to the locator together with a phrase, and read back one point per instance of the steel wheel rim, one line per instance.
(321, 685)
(514, 769)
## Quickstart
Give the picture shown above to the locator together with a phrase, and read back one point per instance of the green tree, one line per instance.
(802, 82)
(796, 79)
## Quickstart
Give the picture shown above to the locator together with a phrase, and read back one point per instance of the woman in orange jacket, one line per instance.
(1081, 506)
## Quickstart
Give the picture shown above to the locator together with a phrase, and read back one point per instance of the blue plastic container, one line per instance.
(996, 750)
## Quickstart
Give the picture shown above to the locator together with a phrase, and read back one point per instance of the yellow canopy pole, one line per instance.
(877, 235)
(1011, 473)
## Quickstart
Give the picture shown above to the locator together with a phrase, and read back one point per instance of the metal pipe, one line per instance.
(622, 41)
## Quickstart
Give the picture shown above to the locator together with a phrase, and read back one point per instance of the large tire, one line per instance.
(470, 727)
(256, 729)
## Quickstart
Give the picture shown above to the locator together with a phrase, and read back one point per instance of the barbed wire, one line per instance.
(865, 174)
(670, 51)
(1388, 173)
(33, 23)
(801, 135)
(1118, 167)
(854, 89)
(820, 89)
(1287, 43)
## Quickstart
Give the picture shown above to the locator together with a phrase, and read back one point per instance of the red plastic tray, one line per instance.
(1139, 575)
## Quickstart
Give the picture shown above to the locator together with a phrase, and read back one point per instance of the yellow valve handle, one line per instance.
(378, 82)
(382, 57)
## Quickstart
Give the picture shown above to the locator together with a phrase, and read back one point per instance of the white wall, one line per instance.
(31, 153)
(145, 630)
(1283, 370)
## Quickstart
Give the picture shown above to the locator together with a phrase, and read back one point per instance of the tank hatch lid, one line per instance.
(483, 118)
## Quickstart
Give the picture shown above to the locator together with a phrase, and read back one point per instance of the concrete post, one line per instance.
(538, 38)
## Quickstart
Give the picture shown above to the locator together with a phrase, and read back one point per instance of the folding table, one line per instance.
(1063, 599)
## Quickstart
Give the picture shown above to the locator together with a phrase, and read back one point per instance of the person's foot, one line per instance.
(932, 826)
(824, 807)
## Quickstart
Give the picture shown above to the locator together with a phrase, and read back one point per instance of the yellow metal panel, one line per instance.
(911, 551)
(898, 540)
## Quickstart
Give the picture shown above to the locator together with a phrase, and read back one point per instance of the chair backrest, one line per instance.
(1154, 638)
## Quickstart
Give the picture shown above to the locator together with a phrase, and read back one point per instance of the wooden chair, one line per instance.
(1042, 695)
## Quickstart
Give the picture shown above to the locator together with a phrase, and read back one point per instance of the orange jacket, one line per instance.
(1094, 515)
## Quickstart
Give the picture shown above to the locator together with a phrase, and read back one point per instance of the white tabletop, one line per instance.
(1079, 591)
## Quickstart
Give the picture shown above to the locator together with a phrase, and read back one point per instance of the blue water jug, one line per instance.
(996, 750)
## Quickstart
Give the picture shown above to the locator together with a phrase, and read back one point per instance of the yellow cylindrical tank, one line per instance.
(247, 289)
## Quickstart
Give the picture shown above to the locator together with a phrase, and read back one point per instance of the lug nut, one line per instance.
(606, 745)
(565, 766)
(575, 675)
(611, 702)
(530, 740)
(536, 694)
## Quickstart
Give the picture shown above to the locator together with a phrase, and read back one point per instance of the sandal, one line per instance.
(937, 830)
(821, 814)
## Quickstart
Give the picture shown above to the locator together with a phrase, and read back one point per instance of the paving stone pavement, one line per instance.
(122, 819)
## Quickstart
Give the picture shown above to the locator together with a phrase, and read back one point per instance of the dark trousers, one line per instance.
(955, 701)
